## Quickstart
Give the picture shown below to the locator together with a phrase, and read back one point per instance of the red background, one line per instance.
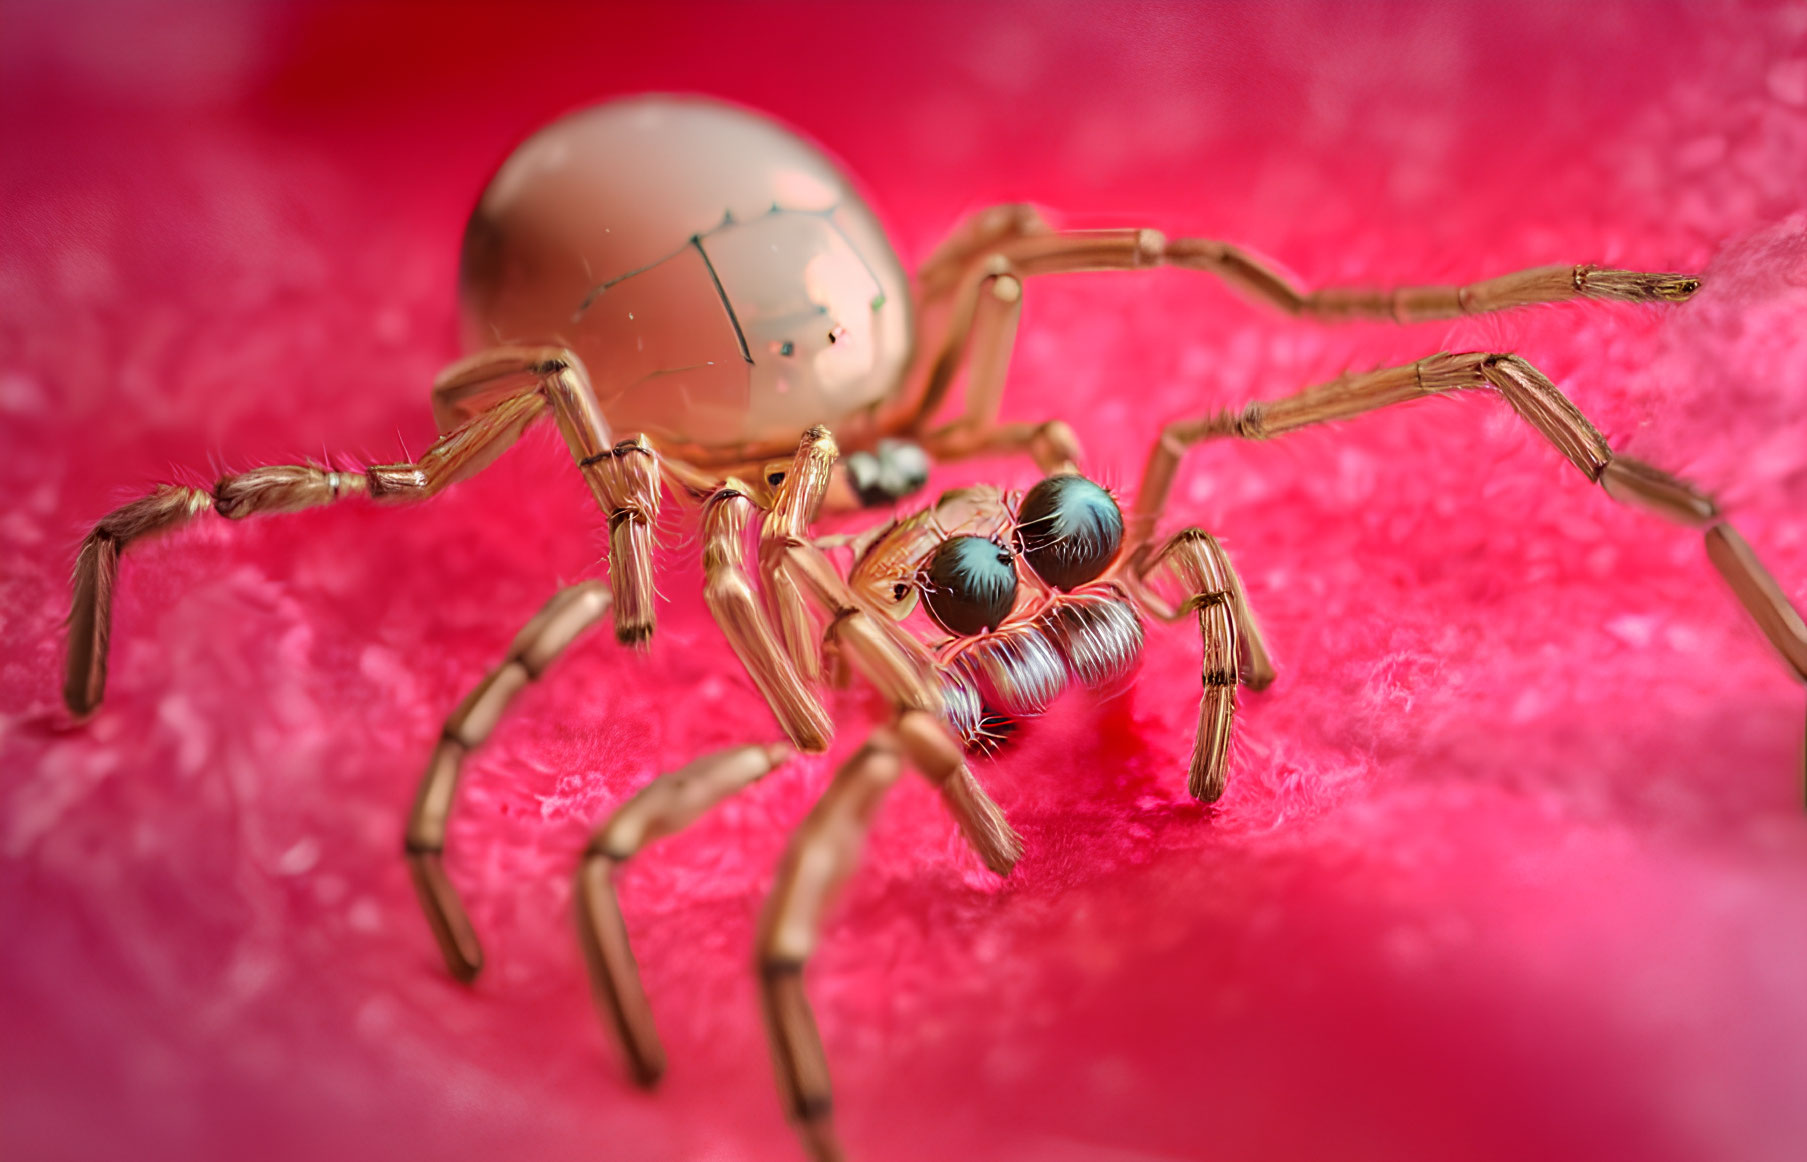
(1512, 864)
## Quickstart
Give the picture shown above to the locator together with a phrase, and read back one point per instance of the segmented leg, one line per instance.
(1212, 590)
(900, 668)
(982, 270)
(730, 597)
(623, 477)
(981, 335)
(273, 489)
(977, 236)
(823, 852)
(665, 806)
(1057, 252)
(570, 612)
(799, 493)
(501, 391)
(1541, 404)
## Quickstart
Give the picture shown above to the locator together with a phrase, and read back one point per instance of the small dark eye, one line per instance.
(774, 478)
(1069, 530)
(971, 585)
(787, 348)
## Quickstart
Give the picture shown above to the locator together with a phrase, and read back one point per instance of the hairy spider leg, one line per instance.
(979, 234)
(515, 386)
(873, 646)
(729, 593)
(982, 270)
(878, 651)
(798, 493)
(271, 489)
(623, 476)
(822, 854)
(1540, 403)
(1228, 633)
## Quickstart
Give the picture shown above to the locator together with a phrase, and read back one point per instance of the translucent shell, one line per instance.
(720, 278)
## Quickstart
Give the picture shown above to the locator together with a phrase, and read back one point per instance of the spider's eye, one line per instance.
(971, 585)
(1068, 529)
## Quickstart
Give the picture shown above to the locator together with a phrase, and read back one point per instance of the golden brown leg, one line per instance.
(1543, 284)
(553, 628)
(1075, 250)
(1195, 558)
(901, 669)
(729, 594)
(981, 334)
(977, 236)
(273, 489)
(665, 806)
(823, 852)
(1539, 402)
(623, 476)
(982, 268)
(987, 305)
(800, 490)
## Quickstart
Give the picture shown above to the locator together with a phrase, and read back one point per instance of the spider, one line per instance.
(694, 296)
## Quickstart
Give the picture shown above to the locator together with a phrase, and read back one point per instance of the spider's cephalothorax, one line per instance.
(689, 291)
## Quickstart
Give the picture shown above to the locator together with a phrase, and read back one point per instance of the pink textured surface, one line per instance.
(1512, 864)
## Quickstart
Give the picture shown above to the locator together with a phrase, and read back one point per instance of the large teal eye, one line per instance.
(1069, 530)
(970, 585)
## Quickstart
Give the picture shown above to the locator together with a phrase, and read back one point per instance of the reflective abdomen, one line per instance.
(719, 277)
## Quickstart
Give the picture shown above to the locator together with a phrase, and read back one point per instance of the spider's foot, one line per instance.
(445, 914)
(1635, 286)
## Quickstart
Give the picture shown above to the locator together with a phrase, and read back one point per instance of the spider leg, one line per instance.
(503, 391)
(735, 607)
(272, 489)
(623, 476)
(978, 235)
(559, 623)
(799, 491)
(1064, 251)
(981, 335)
(900, 668)
(1215, 592)
(1542, 405)
(982, 268)
(663, 807)
(823, 852)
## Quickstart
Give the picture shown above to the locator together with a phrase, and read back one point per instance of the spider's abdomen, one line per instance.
(720, 278)
(1092, 638)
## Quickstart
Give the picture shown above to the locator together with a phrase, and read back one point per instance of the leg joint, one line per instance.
(626, 515)
(774, 969)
